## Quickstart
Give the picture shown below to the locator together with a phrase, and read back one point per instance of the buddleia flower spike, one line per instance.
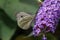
(47, 17)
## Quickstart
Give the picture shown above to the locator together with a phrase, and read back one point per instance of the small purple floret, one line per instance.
(44, 38)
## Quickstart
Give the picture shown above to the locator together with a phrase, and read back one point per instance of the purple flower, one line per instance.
(44, 38)
(47, 17)
(36, 32)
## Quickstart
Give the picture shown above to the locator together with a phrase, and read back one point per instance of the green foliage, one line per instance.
(8, 10)
(48, 35)
(7, 25)
(14, 6)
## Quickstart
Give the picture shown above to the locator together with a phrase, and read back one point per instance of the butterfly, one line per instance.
(24, 20)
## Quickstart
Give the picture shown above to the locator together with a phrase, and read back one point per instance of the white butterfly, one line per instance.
(24, 20)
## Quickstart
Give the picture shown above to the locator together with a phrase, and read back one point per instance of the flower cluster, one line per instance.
(47, 17)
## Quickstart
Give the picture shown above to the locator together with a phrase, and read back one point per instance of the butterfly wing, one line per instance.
(24, 20)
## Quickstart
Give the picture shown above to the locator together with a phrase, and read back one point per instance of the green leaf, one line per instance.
(8, 26)
(51, 37)
(14, 6)
(2, 3)
(22, 37)
(6, 32)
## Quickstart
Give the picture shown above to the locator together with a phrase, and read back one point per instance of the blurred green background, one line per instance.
(8, 25)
